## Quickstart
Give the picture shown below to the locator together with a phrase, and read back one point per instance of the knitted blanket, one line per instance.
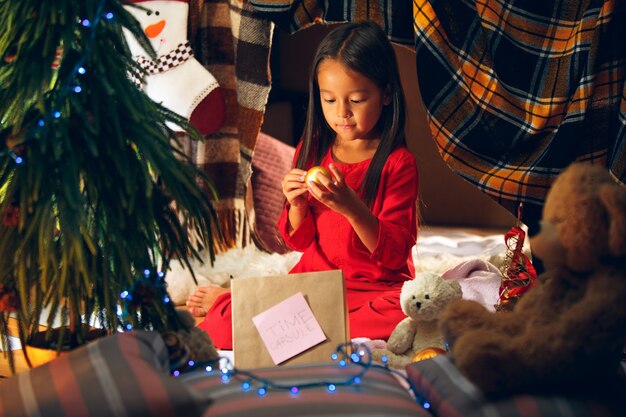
(232, 40)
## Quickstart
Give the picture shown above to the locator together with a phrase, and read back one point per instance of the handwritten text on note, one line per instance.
(288, 328)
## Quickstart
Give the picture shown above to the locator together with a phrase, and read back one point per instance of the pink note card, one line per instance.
(288, 328)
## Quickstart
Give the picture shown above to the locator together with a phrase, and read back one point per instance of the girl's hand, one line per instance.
(294, 188)
(335, 193)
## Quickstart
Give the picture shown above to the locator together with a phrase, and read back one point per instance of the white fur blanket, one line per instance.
(473, 258)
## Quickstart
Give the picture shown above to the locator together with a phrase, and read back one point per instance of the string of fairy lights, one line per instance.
(353, 356)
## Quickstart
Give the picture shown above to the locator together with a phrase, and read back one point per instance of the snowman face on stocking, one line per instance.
(175, 79)
(163, 22)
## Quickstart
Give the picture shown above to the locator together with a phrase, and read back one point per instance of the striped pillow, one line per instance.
(378, 393)
(121, 375)
(449, 394)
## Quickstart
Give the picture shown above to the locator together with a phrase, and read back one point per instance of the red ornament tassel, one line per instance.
(518, 273)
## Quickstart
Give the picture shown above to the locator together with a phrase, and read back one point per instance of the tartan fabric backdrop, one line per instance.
(233, 42)
(517, 90)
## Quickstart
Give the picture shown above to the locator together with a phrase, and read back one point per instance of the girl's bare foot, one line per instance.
(203, 298)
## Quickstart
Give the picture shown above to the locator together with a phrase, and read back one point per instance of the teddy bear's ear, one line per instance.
(613, 198)
(450, 289)
(456, 288)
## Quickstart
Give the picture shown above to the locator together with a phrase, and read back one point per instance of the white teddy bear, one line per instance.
(421, 299)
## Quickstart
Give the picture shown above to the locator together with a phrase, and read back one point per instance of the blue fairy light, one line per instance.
(86, 23)
(362, 364)
(161, 274)
(176, 373)
(191, 363)
(81, 70)
(334, 356)
(18, 160)
(109, 15)
(426, 405)
(146, 273)
(78, 89)
(56, 114)
(41, 123)
(166, 299)
(129, 326)
(124, 294)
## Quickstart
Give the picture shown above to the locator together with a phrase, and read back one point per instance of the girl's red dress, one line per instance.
(327, 241)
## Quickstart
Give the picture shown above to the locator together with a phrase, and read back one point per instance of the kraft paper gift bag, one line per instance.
(255, 297)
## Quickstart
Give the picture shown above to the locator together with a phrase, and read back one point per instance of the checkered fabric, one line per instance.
(166, 62)
(232, 40)
(394, 17)
(517, 90)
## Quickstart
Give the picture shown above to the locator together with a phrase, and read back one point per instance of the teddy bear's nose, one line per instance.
(418, 305)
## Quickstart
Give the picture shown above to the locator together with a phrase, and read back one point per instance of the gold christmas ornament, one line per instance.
(427, 353)
(312, 174)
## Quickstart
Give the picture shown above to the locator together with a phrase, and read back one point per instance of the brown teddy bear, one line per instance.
(567, 333)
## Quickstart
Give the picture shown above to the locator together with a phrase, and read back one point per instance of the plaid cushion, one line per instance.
(449, 393)
(379, 393)
(120, 375)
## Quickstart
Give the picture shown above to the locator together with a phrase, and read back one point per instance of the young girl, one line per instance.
(362, 218)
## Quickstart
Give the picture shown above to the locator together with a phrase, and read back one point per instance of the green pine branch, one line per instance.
(93, 188)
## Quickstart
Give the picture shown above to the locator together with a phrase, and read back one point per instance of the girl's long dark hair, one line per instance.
(363, 47)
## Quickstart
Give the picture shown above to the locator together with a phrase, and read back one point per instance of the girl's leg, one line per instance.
(218, 322)
(203, 298)
(374, 315)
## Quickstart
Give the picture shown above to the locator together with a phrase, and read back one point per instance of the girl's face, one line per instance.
(351, 102)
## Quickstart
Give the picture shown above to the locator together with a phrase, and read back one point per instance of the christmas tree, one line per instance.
(95, 197)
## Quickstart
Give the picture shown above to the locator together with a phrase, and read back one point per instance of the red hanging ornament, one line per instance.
(58, 55)
(11, 217)
(518, 272)
(8, 298)
(143, 295)
(10, 55)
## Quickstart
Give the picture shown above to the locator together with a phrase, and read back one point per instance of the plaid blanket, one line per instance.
(233, 42)
(292, 15)
(517, 90)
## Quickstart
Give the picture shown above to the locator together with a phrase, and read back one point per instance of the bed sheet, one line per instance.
(439, 249)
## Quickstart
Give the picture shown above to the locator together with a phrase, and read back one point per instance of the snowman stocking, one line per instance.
(176, 79)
